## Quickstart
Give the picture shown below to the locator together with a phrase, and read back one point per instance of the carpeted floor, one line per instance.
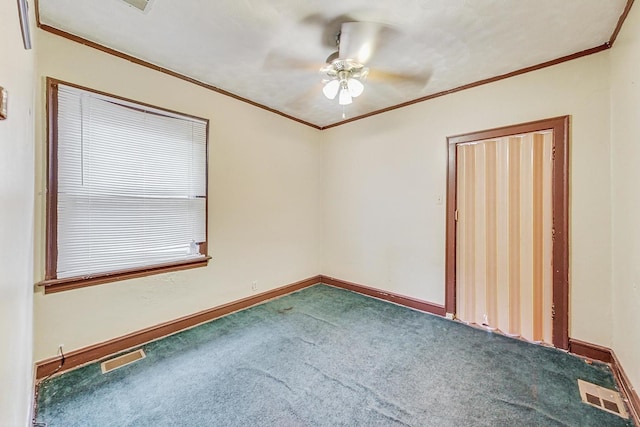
(328, 357)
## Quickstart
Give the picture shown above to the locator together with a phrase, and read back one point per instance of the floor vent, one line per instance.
(603, 398)
(120, 361)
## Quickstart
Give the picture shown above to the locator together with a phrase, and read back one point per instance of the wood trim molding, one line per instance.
(586, 52)
(560, 218)
(607, 355)
(475, 84)
(98, 351)
(621, 20)
(108, 348)
(450, 231)
(627, 389)
(591, 351)
(560, 202)
(58, 285)
(418, 304)
(51, 257)
(152, 66)
(53, 82)
(143, 63)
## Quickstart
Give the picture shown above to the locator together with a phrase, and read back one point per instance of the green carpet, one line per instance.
(328, 357)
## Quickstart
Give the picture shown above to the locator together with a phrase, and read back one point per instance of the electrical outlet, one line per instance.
(254, 285)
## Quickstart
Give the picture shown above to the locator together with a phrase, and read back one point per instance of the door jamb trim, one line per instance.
(560, 205)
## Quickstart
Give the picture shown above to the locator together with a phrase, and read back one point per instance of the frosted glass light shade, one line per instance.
(355, 87)
(330, 89)
(345, 97)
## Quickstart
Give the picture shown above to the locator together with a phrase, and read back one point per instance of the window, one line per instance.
(127, 189)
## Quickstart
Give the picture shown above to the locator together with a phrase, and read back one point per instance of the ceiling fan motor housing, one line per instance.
(344, 69)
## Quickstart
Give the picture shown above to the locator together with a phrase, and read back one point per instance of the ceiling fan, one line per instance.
(346, 70)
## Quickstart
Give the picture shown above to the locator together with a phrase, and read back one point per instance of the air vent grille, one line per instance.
(120, 361)
(603, 398)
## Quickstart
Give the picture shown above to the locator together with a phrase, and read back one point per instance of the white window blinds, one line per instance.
(131, 185)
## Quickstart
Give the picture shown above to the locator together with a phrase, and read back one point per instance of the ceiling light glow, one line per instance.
(345, 97)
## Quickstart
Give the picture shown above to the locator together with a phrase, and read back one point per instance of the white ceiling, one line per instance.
(270, 51)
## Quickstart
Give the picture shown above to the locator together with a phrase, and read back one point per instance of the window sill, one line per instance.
(58, 285)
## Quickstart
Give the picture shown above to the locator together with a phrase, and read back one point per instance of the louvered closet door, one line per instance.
(504, 241)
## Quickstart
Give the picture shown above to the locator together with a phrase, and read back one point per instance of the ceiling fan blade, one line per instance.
(330, 27)
(311, 97)
(279, 60)
(358, 40)
(420, 79)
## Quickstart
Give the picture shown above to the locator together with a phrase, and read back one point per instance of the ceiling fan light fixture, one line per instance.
(330, 89)
(345, 97)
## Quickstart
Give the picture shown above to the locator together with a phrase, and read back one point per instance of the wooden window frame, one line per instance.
(51, 283)
(560, 206)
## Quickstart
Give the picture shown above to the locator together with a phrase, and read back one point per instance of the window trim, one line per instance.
(51, 283)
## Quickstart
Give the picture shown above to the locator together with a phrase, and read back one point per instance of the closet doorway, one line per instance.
(507, 254)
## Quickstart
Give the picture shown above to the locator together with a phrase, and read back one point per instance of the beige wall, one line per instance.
(625, 165)
(16, 223)
(264, 209)
(384, 192)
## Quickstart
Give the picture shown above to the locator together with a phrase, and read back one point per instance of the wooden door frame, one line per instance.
(560, 206)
